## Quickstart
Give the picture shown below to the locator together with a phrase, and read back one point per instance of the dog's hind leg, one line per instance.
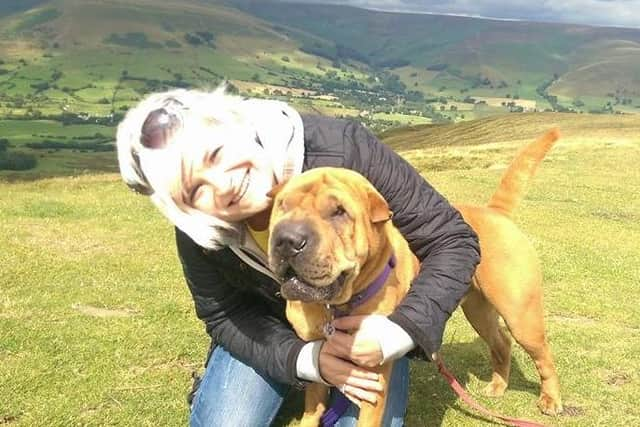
(484, 319)
(527, 328)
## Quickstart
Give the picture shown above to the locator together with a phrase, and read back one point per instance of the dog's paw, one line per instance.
(549, 405)
(495, 388)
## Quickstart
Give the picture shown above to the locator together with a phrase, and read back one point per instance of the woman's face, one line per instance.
(227, 176)
(222, 170)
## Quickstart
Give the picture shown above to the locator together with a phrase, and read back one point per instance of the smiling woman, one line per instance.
(229, 181)
(209, 161)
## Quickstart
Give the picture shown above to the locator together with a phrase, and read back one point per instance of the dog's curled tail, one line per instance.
(515, 179)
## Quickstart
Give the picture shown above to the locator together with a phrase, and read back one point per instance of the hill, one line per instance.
(450, 54)
(94, 331)
(98, 56)
(84, 63)
(516, 128)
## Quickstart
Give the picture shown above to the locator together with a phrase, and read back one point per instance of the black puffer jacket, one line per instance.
(240, 306)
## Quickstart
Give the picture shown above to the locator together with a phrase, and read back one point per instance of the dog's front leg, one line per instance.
(315, 403)
(372, 415)
(308, 320)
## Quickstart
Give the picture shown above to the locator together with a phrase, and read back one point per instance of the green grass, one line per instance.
(581, 214)
(97, 326)
(21, 131)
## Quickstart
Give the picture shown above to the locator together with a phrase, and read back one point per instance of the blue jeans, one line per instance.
(234, 394)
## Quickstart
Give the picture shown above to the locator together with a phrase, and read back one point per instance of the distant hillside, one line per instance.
(7, 7)
(475, 54)
(77, 61)
(98, 56)
(519, 127)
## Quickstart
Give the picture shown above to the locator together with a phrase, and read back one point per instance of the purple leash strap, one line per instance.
(335, 411)
(340, 404)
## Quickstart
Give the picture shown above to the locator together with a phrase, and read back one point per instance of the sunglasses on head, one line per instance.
(159, 126)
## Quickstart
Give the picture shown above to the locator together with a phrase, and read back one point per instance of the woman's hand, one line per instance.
(356, 338)
(356, 383)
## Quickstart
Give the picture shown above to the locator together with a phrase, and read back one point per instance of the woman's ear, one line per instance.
(378, 207)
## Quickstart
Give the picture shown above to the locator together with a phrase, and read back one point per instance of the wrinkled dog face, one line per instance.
(321, 233)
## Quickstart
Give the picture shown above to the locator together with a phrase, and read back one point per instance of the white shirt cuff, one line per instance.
(307, 364)
(395, 342)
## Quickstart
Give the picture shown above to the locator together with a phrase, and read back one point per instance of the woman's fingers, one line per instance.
(364, 384)
(357, 372)
(342, 344)
(338, 371)
(361, 350)
(354, 399)
(361, 394)
(358, 383)
(348, 322)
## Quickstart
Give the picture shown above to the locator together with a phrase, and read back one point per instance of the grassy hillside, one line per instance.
(514, 127)
(69, 69)
(480, 57)
(98, 57)
(65, 59)
(95, 331)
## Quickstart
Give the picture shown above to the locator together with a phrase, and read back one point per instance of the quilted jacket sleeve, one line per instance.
(239, 321)
(445, 244)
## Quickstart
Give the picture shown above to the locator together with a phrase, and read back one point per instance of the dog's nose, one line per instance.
(290, 239)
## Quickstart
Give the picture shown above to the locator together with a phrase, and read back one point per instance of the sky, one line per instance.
(616, 13)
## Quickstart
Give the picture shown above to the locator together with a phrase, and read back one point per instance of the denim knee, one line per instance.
(234, 394)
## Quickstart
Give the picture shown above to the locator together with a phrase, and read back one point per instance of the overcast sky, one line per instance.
(619, 13)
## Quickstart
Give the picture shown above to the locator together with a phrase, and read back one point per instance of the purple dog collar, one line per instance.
(364, 296)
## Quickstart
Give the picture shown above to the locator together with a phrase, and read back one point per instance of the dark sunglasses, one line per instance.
(157, 128)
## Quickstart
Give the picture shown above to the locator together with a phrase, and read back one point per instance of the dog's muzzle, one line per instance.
(295, 289)
(293, 258)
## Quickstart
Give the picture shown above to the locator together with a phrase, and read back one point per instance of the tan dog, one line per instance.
(330, 237)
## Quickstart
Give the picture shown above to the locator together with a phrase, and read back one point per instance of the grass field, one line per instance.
(97, 326)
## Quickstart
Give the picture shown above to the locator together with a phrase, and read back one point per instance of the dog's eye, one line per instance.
(158, 128)
(338, 211)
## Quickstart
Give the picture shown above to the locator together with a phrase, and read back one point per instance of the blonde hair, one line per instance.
(152, 179)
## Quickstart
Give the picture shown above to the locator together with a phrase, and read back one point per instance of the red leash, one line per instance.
(462, 393)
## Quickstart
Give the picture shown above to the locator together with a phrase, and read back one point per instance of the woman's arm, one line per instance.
(445, 244)
(239, 321)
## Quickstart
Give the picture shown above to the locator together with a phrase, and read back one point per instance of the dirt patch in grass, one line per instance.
(582, 320)
(8, 419)
(617, 379)
(572, 411)
(615, 215)
(93, 311)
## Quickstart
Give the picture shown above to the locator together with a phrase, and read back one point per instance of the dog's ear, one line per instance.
(378, 207)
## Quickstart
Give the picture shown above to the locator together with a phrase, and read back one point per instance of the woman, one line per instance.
(208, 160)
